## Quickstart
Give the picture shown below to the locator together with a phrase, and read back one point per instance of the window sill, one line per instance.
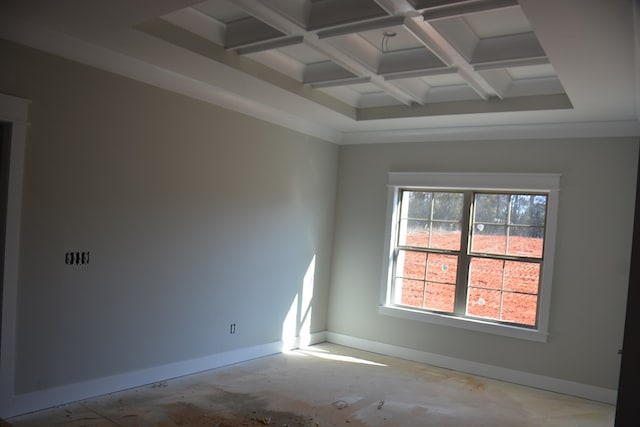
(464, 323)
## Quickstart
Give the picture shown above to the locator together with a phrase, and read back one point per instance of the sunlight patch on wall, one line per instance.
(307, 297)
(289, 327)
(296, 327)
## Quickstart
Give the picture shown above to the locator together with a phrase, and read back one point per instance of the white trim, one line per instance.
(29, 402)
(547, 182)
(15, 111)
(497, 132)
(476, 181)
(538, 335)
(34, 401)
(557, 385)
(309, 340)
(75, 49)
(344, 131)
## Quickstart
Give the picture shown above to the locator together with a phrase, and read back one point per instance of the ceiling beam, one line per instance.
(347, 61)
(427, 4)
(396, 7)
(510, 63)
(269, 44)
(527, 103)
(420, 73)
(271, 17)
(465, 7)
(430, 38)
(340, 82)
(358, 27)
(447, 53)
(337, 46)
(322, 13)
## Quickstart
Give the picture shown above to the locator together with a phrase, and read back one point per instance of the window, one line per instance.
(471, 250)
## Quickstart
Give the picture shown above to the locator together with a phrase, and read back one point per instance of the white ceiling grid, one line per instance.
(354, 71)
(408, 52)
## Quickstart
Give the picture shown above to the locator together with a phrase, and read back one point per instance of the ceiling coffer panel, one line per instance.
(330, 13)
(326, 72)
(247, 31)
(408, 60)
(338, 67)
(510, 49)
(410, 53)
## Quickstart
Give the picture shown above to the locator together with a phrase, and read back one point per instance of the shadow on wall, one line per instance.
(296, 327)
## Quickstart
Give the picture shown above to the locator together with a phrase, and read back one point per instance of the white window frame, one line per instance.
(512, 182)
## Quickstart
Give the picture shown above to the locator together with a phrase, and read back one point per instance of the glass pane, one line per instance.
(526, 241)
(418, 204)
(539, 210)
(528, 209)
(414, 233)
(483, 303)
(448, 206)
(489, 239)
(416, 225)
(412, 292)
(411, 264)
(519, 308)
(442, 268)
(440, 297)
(521, 276)
(486, 273)
(491, 208)
(446, 235)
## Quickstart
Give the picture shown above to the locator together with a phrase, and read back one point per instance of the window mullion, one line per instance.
(460, 305)
(508, 226)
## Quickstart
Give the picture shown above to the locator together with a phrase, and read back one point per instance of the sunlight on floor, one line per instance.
(337, 357)
(330, 386)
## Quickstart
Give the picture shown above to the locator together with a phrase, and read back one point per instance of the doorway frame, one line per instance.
(13, 110)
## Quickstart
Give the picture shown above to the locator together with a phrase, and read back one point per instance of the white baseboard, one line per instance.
(599, 394)
(30, 402)
(42, 399)
(305, 341)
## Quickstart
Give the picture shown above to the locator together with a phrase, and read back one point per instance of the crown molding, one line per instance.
(630, 128)
(69, 47)
(344, 131)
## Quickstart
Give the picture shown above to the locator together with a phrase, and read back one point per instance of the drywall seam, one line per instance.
(557, 385)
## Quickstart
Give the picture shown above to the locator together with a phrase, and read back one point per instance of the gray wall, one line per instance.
(196, 217)
(591, 265)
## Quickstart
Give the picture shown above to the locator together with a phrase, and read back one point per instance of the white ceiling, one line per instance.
(358, 71)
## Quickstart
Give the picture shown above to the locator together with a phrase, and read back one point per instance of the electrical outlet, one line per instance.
(232, 328)
(76, 258)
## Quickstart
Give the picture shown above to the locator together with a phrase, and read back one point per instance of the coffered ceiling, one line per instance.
(357, 71)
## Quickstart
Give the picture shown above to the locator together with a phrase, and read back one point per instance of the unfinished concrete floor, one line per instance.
(328, 385)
